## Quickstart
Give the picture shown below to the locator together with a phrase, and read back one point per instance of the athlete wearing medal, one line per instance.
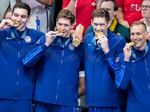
(57, 84)
(17, 81)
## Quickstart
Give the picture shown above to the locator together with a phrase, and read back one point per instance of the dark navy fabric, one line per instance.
(44, 107)
(101, 90)
(135, 77)
(59, 71)
(105, 109)
(15, 105)
(16, 81)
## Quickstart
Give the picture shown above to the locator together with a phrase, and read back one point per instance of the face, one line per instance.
(138, 36)
(8, 15)
(146, 9)
(20, 15)
(64, 25)
(99, 24)
(109, 6)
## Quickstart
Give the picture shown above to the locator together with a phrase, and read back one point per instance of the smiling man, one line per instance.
(133, 74)
(16, 81)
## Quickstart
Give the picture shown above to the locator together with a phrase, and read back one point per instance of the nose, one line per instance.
(134, 37)
(19, 18)
(99, 28)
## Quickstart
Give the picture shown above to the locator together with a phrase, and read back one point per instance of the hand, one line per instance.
(75, 34)
(6, 23)
(50, 36)
(104, 43)
(127, 52)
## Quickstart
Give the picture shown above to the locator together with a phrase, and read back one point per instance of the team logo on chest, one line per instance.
(27, 39)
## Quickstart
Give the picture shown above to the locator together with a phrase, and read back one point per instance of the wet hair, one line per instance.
(101, 13)
(22, 5)
(66, 14)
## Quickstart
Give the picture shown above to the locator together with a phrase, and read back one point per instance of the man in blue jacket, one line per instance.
(134, 73)
(102, 48)
(57, 84)
(16, 81)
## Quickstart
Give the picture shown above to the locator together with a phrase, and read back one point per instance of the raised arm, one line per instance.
(38, 49)
(124, 69)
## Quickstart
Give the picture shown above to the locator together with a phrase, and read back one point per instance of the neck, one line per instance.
(22, 29)
(147, 21)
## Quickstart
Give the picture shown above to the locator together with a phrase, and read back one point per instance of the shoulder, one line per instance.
(117, 39)
(5, 32)
(89, 36)
(35, 32)
(89, 29)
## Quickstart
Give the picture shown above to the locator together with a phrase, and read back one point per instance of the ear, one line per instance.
(91, 22)
(115, 13)
(72, 26)
(29, 18)
(147, 35)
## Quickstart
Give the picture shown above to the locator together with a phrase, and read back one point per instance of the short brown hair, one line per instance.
(101, 13)
(66, 14)
(139, 23)
(22, 5)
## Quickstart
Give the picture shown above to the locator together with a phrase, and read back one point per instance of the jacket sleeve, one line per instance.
(35, 53)
(118, 54)
(122, 75)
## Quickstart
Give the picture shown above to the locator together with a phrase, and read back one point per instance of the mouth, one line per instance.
(16, 23)
(99, 34)
(60, 32)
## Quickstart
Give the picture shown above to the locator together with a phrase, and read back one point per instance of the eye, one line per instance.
(23, 16)
(138, 33)
(61, 24)
(100, 24)
(66, 25)
(16, 15)
(132, 34)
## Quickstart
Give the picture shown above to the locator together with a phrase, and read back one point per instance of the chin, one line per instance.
(20, 29)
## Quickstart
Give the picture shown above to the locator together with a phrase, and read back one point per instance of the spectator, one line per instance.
(146, 15)
(83, 11)
(129, 11)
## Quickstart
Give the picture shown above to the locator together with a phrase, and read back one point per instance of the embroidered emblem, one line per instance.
(27, 39)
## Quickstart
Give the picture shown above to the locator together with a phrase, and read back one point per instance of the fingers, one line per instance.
(127, 47)
(76, 36)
